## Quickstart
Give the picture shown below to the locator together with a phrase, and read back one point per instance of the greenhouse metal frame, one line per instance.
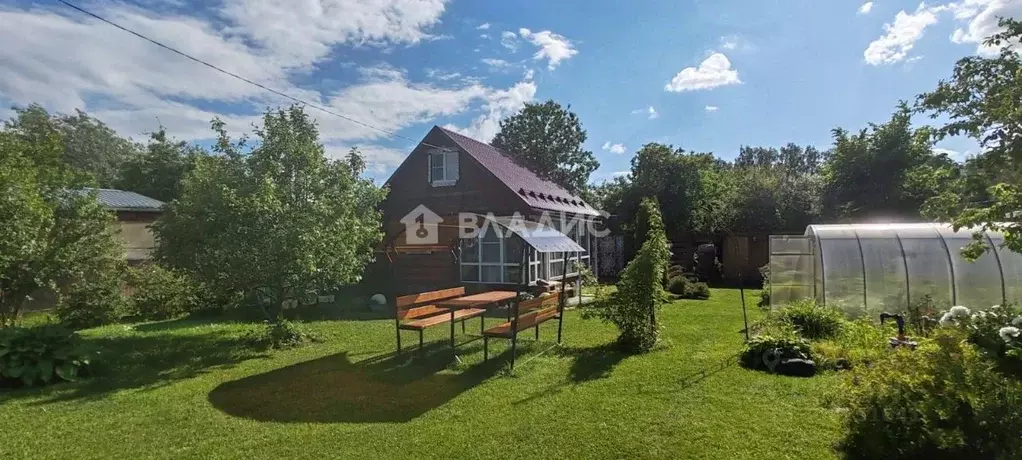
(865, 269)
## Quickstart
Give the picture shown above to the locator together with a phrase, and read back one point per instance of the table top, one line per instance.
(474, 300)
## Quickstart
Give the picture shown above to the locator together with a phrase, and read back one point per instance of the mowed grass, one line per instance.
(193, 389)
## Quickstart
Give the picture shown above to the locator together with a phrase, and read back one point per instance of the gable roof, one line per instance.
(533, 190)
(120, 200)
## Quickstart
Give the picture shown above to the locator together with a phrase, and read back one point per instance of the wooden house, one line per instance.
(448, 185)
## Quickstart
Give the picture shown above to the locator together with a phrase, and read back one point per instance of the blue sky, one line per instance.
(717, 74)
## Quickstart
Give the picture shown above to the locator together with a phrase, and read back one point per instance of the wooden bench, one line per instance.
(417, 312)
(528, 314)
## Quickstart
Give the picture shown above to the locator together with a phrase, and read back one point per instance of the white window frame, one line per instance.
(503, 261)
(447, 157)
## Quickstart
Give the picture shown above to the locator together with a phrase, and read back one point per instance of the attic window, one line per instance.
(532, 194)
(443, 168)
(574, 203)
(542, 196)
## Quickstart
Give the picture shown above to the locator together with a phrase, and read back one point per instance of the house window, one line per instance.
(443, 168)
(491, 258)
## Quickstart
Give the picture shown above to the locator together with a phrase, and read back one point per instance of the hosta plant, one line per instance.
(41, 355)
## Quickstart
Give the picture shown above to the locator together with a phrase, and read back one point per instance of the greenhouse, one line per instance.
(867, 269)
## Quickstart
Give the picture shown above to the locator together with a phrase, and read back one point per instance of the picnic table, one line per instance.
(481, 300)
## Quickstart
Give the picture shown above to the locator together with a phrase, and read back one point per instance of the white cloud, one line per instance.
(496, 64)
(712, 108)
(438, 74)
(552, 47)
(135, 87)
(499, 104)
(982, 17)
(620, 173)
(616, 149)
(866, 8)
(484, 36)
(901, 35)
(651, 113)
(305, 34)
(715, 71)
(509, 40)
(484, 26)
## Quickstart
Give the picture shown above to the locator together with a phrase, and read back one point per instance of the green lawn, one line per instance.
(191, 389)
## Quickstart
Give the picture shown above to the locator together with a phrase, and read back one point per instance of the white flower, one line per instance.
(1008, 332)
(1017, 321)
(959, 312)
(946, 320)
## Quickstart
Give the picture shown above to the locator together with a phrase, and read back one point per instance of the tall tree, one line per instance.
(982, 100)
(549, 138)
(866, 173)
(279, 222)
(53, 231)
(89, 145)
(158, 170)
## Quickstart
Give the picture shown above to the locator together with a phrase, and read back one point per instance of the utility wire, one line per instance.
(239, 77)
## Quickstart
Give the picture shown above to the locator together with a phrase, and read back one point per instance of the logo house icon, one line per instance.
(422, 226)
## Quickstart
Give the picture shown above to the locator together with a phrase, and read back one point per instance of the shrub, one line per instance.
(811, 320)
(640, 292)
(698, 291)
(91, 302)
(285, 334)
(158, 293)
(942, 400)
(776, 347)
(44, 354)
(678, 285)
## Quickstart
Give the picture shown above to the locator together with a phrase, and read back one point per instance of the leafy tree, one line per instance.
(549, 138)
(981, 101)
(866, 173)
(275, 223)
(640, 292)
(89, 145)
(158, 170)
(670, 175)
(55, 234)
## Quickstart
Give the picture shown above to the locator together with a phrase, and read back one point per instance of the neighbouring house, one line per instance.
(135, 215)
(450, 179)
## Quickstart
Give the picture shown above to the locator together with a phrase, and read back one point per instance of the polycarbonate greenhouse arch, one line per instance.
(871, 268)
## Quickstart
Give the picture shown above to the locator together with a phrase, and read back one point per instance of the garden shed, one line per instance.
(865, 269)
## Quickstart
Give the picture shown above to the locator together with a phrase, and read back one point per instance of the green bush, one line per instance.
(678, 285)
(286, 334)
(813, 321)
(158, 293)
(44, 354)
(780, 345)
(92, 302)
(640, 291)
(943, 400)
(698, 290)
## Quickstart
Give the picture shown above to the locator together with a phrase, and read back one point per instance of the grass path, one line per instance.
(188, 389)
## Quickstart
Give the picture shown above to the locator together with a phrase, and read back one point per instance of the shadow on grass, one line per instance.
(333, 389)
(146, 362)
(593, 363)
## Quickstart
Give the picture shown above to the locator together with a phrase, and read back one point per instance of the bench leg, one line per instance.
(482, 323)
(537, 332)
(420, 341)
(452, 329)
(398, 340)
(463, 327)
(486, 348)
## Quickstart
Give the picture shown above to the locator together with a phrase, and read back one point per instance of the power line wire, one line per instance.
(239, 77)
